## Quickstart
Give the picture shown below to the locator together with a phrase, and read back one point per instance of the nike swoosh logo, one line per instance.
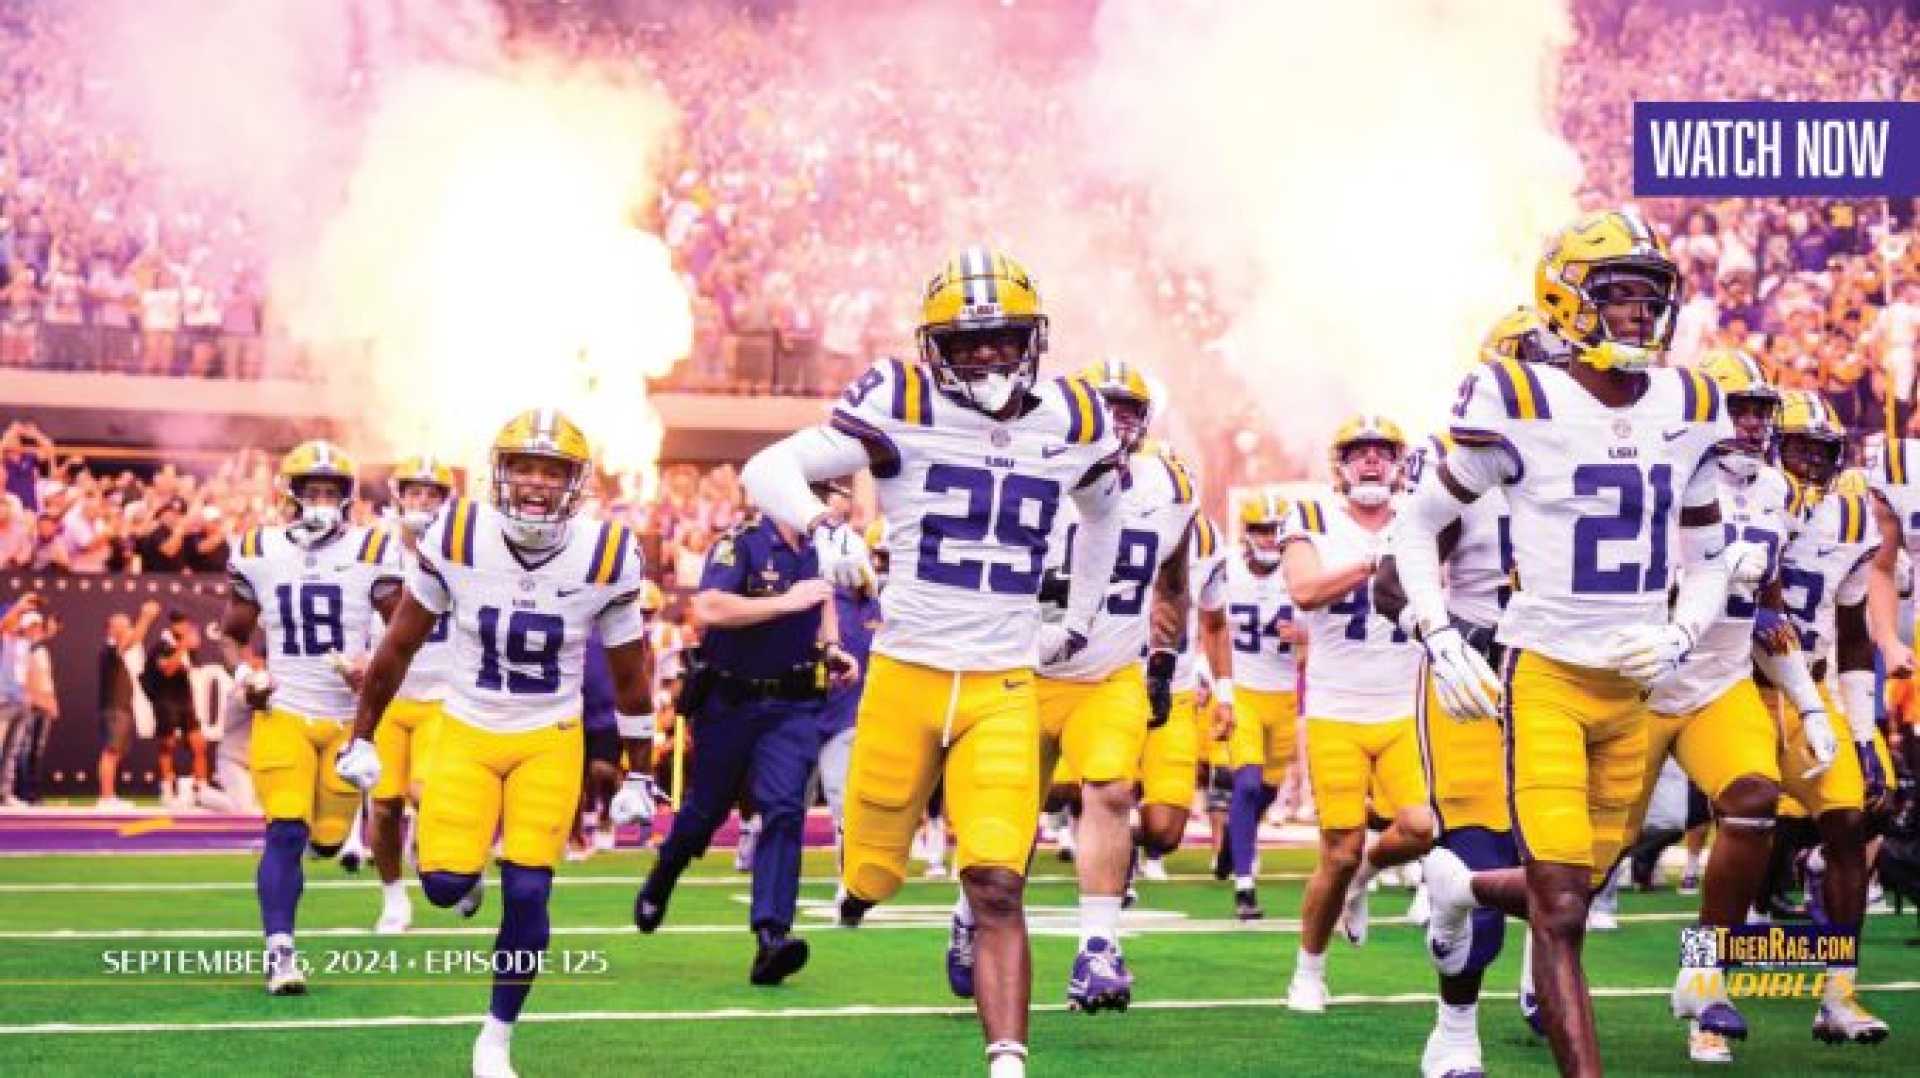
(1826, 552)
(564, 592)
(1051, 451)
(1013, 684)
(1671, 435)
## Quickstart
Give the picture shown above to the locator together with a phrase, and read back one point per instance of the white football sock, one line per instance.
(1243, 883)
(1100, 919)
(963, 910)
(1460, 1021)
(1315, 964)
(395, 893)
(493, 1029)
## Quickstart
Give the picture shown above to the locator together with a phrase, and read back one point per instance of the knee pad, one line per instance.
(1481, 848)
(285, 835)
(443, 889)
(522, 887)
(871, 879)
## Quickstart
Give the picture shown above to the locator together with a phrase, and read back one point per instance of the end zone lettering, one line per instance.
(1833, 149)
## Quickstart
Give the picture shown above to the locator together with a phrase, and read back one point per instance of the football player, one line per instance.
(420, 486)
(313, 586)
(1260, 685)
(972, 456)
(1466, 782)
(1607, 466)
(1193, 676)
(1099, 708)
(524, 584)
(1829, 575)
(1358, 695)
(1709, 714)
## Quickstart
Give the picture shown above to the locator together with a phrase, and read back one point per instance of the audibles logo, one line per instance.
(1764, 961)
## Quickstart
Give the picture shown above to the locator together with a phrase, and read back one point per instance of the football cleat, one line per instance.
(853, 911)
(1307, 993)
(470, 902)
(353, 857)
(1246, 905)
(1450, 925)
(936, 870)
(1813, 883)
(1600, 919)
(1720, 1017)
(1353, 915)
(779, 956)
(648, 911)
(604, 839)
(1100, 980)
(960, 959)
(1689, 883)
(1130, 898)
(396, 916)
(1706, 1046)
(1222, 863)
(1152, 868)
(1529, 1000)
(1446, 1057)
(284, 975)
(493, 1058)
(1845, 1021)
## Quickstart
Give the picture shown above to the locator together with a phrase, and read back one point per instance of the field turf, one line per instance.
(872, 1002)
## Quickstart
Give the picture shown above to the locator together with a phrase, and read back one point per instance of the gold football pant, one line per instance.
(523, 786)
(291, 757)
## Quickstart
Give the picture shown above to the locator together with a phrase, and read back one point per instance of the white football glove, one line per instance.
(844, 559)
(1467, 686)
(1820, 742)
(636, 801)
(359, 764)
(1647, 653)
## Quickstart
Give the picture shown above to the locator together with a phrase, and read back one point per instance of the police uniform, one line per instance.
(757, 722)
(858, 613)
(316, 607)
(1595, 495)
(1094, 713)
(598, 716)
(510, 751)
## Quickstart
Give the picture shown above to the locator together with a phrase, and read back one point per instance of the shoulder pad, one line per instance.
(611, 553)
(374, 546)
(1699, 396)
(1311, 518)
(1896, 467)
(1178, 473)
(1520, 390)
(1206, 538)
(252, 544)
(1086, 412)
(456, 525)
(893, 389)
(1853, 519)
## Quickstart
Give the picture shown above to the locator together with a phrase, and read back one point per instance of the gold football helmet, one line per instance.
(1752, 401)
(1129, 398)
(1519, 334)
(312, 516)
(1261, 516)
(1351, 480)
(420, 485)
(540, 463)
(982, 331)
(1609, 259)
(1811, 439)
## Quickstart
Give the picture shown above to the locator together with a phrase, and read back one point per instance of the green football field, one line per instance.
(873, 1000)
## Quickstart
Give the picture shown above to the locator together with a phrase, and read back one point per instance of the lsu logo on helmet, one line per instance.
(981, 298)
(1608, 258)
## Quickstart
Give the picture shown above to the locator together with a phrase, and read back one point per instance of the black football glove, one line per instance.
(1159, 687)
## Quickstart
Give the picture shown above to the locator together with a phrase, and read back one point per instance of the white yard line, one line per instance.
(756, 1014)
(369, 882)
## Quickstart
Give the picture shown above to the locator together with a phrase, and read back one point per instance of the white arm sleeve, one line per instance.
(777, 477)
(1213, 593)
(1094, 551)
(1856, 695)
(1703, 586)
(1416, 534)
(1789, 671)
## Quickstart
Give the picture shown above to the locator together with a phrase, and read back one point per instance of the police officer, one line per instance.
(768, 654)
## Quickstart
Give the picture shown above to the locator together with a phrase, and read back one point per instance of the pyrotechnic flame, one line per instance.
(487, 260)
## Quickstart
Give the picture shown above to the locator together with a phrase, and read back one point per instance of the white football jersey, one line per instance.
(1479, 568)
(519, 629)
(1755, 511)
(315, 603)
(1158, 502)
(1826, 567)
(970, 502)
(1890, 474)
(1595, 494)
(427, 675)
(1258, 609)
(1360, 666)
(1207, 585)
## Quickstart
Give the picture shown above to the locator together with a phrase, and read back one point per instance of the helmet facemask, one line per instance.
(537, 493)
(1131, 417)
(1369, 471)
(1632, 304)
(1755, 416)
(1813, 459)
(1263, 544)
(320, 505)
(418, 502)
(988, 364)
